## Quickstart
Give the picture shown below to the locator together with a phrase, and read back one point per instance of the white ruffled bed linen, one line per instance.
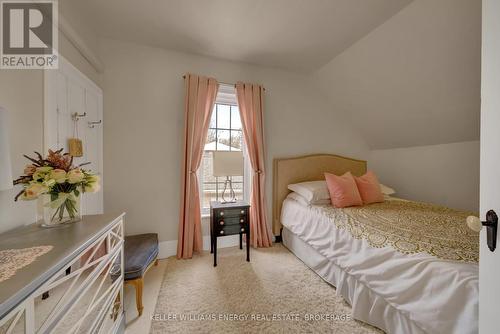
(396, 292)
(366, 306)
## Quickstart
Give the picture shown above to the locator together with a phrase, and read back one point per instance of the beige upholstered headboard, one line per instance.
(307, 168)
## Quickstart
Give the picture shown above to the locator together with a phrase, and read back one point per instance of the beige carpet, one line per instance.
(242, 297)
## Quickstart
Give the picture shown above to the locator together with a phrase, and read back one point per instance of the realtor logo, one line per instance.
(28, 34)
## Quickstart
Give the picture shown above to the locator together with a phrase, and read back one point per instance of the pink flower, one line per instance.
(29, 170)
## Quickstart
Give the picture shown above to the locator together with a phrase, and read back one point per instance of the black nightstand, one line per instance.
(229, 219)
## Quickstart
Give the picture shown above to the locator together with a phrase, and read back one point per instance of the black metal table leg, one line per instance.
(215, 251)
(211, 242)
(248, 245)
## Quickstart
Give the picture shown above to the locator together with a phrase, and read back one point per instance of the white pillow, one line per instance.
(299, 198)
(387, 190)
(296, 197)
(312, 191)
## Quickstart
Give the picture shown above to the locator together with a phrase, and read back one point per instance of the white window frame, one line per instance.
(227, 95)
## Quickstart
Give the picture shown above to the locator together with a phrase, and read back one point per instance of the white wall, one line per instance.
(409, 86)
(72, 13)
(446, 174)
(414, 80)
(21, 93)
(143, 127)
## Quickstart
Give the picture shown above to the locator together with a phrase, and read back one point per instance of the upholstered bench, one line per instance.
(141, 252)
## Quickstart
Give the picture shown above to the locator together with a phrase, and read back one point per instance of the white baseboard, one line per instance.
(169, 248)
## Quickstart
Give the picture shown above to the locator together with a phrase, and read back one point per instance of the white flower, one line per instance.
(92, 187)
(33, 191)
(41, 172)
(75, 176)
(58, 175)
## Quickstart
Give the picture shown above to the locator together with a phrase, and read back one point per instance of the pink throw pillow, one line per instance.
(369, 188)
(343, 190)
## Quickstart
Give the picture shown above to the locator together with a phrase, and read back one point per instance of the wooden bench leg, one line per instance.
(138, 284)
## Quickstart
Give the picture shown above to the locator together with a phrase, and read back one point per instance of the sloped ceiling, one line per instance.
(296, 35)
(414, 80)
(406, 73)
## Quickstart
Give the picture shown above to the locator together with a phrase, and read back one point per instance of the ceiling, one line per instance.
(296, 35)
(415, 80)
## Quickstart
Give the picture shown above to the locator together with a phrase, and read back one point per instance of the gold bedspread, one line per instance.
(411, 227)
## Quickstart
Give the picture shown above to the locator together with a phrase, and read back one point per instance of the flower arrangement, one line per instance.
(61, 183)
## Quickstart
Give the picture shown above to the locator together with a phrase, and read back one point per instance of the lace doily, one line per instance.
(11, 260)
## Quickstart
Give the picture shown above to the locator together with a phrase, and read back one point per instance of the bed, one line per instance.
(405, 267)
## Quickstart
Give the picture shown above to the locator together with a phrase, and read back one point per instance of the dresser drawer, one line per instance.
(231, 212)
(231, 229)
(226, 221)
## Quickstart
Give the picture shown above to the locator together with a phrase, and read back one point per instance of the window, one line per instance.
(224, 134)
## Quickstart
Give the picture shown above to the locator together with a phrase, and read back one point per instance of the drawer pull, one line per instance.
(221, 222)
(242, 229)
(242, 212)
(221, 232)
(242, 220)
(222, 213)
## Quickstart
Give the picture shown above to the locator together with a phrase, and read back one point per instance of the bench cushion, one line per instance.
(140, 250)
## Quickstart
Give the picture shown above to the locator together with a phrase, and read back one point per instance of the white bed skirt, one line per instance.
(366, 305)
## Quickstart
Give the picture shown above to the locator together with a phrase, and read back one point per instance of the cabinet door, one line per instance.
(92, 149)
(69, 92)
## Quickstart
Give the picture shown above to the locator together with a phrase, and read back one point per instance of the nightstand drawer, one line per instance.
(226, 221)
(231, 212)
(231, 229)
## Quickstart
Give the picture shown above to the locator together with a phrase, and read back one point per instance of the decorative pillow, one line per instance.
(343, 190)
(387, 190)
(312, 191)
(369, 188)
(302, 200)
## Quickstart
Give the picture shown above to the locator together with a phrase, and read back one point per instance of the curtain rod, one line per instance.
(224, 83)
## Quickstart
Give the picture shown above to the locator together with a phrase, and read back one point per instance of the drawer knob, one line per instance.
(242, 229)
(221, 222)
(221, 232)
(242, 212)
(242, 220)
(222, 213)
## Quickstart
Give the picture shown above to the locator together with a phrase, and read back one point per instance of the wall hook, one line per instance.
(94, 123)
(76, 116)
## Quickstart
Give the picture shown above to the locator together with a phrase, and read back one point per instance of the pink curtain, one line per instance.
(200, 98)
(251, 110)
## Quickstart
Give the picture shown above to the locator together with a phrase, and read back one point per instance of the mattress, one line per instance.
(397, 292)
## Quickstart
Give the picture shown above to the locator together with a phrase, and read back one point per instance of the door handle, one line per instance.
(491, 224)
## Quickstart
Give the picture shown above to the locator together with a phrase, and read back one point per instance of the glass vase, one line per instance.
(63, 208)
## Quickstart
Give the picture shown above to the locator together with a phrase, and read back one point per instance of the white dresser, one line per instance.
(75, 287)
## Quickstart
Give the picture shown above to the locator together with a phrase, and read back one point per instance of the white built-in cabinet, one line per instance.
(68, 92)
